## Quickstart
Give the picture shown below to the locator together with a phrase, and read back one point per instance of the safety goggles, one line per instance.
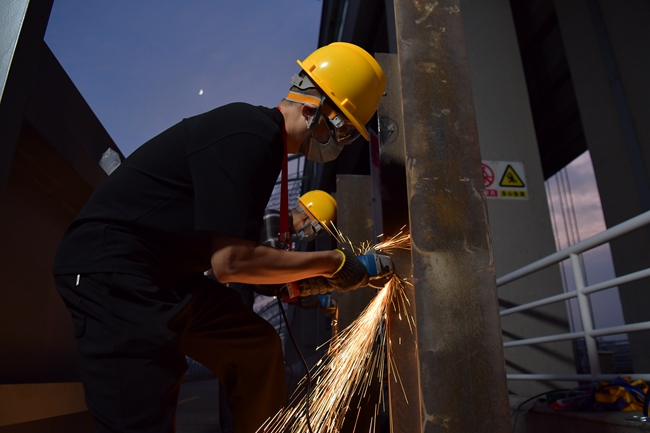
(341, 129)
(312, 228)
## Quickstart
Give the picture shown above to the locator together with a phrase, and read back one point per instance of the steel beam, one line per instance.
(460, 362)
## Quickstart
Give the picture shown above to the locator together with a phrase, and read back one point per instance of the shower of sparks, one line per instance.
(399, 241)
(354, 362)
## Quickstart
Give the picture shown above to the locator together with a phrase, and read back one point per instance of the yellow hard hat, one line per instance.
(319, 205)
(350, 77)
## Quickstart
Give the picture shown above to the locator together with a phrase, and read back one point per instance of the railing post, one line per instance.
(585, 315)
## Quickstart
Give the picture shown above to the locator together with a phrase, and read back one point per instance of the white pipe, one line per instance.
(617, 281)
(541, 302)
(641, 326)
(546, 339)
(609, 234)
(575, 377)
(587, 290)
(585, 314)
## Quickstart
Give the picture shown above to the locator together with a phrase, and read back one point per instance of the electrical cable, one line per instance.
(284, 343)
(536, 398)
(302, 358)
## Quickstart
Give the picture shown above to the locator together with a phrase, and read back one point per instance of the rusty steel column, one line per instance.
(460, 352)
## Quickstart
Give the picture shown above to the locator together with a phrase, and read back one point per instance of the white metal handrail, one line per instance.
(581, 293)
(592, 242)
(587, 290)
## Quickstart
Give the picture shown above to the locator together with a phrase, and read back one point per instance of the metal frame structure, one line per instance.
(582, 294)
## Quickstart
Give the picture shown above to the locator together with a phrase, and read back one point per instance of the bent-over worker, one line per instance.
(130, 267)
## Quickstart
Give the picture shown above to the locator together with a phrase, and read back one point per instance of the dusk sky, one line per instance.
(577, 214)
(144, 65)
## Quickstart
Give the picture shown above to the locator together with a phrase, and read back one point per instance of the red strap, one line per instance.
(293, 291)
(285, 232)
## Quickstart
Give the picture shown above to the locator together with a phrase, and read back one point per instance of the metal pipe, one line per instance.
(585, 314)
(545, 339)
(617, 281)
(540, 303)
(575, 377)
(601, 238)
(587, 290)
(641, 326)
(456, 307)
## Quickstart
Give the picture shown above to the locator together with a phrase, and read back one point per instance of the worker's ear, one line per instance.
(304, 219)
(308, 111)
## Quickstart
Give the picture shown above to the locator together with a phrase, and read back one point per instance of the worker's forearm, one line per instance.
(265, 265)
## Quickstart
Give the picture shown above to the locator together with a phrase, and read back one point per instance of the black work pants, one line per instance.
(133, 336)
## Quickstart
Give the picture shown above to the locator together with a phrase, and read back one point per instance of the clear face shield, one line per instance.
(341, 129)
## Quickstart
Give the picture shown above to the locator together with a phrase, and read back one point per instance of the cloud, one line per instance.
(575, 204)
(577, 214)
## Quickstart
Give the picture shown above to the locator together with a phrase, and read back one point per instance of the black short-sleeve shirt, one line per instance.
(154, 215)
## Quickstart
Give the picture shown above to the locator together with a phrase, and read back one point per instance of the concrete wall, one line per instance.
(608, 48)
(50, 143)
(53, 170)
(521, 229)
(40, 200)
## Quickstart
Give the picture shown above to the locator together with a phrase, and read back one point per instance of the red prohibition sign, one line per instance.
(488, 175)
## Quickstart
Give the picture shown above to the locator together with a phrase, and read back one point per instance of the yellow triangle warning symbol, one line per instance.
(511, 178)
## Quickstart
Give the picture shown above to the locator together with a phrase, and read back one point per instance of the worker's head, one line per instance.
(313, 215)
(340, 87)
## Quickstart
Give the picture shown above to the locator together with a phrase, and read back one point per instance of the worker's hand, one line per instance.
(315, 286)
(351, 275)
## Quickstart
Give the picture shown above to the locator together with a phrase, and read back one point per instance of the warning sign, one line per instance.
(488, 175)
(511, 180)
